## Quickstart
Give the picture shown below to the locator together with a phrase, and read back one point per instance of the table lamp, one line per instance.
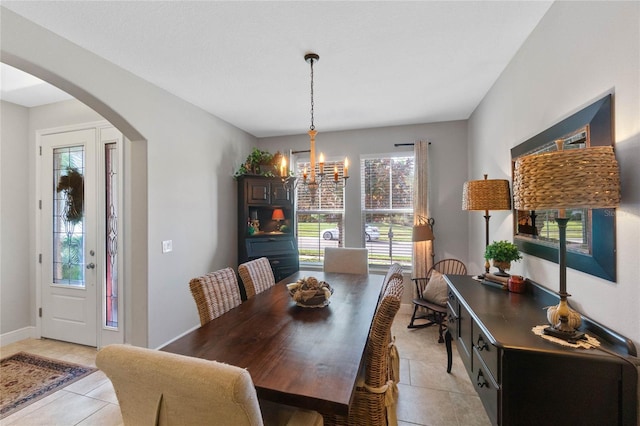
(278, 216)
(566, 179)
(487, 194)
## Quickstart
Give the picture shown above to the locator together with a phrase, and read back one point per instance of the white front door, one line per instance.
(69, 246)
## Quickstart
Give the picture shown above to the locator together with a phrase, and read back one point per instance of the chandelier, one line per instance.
(314, 179)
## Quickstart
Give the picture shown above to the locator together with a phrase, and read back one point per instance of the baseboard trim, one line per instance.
(17, 335)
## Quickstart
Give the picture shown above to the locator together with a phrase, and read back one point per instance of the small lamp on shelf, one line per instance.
(278, 216)
(566, 179)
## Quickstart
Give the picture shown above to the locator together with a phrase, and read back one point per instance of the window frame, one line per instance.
(319, 210)
(406, 251)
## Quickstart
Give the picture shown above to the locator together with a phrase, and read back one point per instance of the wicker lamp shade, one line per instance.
(574, 178)
(487, 194)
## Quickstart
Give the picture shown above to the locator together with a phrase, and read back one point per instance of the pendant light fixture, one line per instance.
(313, 180)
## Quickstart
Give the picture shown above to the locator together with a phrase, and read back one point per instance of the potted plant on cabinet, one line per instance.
(260, 163)
(502, 253)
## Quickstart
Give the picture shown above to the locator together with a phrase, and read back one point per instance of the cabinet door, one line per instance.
(280, 195)
(465, 346)
(284, 266)
(258, 192)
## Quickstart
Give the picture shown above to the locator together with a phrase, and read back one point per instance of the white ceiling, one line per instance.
(381, 63)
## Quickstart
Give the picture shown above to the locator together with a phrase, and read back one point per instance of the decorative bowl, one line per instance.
(308, 292)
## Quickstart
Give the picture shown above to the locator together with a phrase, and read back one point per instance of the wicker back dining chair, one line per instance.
(161, 388)
(256, 275)
(374, 402)
(395, 268)
(215, 293)
(433, 303)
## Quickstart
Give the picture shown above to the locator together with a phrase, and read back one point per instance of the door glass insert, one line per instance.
(111, 232)
(68, 216)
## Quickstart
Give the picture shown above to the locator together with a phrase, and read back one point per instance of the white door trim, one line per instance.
(104, 335)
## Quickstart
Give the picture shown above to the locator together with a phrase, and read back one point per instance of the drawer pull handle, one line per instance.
(275, 262)
(482, 383)
(271, 239)
(482, 345)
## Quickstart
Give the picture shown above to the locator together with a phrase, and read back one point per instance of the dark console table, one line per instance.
(523, 379)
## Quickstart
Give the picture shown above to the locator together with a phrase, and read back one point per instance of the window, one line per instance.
(387, 208)
(320, 218)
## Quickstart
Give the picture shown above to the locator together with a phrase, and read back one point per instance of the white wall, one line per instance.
(179, 176)
(448, 160)
(16, 311)
(579, 52)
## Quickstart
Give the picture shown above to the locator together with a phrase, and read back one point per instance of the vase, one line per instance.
(573, 319)
(516, 284)
(502, 266)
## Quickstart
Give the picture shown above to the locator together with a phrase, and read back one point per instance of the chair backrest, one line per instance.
(349, 260)
(215, 293)
(377, 356)
(394, 269)
(159, 388)
(449, 266)
(256, 275)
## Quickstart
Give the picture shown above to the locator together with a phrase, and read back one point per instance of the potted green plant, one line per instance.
(259, 162)
(502, 253)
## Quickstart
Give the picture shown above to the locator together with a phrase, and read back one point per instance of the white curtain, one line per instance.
(422, 250)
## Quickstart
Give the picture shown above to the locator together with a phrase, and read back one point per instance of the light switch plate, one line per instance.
(167, 246)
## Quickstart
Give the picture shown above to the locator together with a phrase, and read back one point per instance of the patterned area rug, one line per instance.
(26, 378)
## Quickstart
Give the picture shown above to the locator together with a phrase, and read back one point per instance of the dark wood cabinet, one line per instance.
(258, 197)
(523, 379)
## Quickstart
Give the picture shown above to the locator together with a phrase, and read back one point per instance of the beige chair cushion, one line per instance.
(346, 260)
(160, 388)
(256, 275)
(436, 289)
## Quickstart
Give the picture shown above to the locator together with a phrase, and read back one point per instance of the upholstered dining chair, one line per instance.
(374, 402)
(161, 388)
(256, 275)
(215, 293)
(432, 294)
(349, 260)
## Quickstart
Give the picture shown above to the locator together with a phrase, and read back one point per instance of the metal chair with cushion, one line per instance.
(431, 295)
(256, 275)
(215, 293)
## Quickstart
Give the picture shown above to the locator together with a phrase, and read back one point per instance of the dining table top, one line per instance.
(299, 356)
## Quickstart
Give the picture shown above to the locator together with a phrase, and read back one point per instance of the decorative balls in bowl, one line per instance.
(308, 292)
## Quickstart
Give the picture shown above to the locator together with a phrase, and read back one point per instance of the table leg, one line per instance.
(447, 342)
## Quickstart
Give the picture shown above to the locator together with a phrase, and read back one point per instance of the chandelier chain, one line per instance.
(312, 127)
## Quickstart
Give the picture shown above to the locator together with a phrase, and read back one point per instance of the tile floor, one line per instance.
(428, 396)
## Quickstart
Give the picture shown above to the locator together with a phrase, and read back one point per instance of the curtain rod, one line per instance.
(405, 144)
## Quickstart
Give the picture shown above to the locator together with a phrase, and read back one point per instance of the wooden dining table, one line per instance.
(303, 357)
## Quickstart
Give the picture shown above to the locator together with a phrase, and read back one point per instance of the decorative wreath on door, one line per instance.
(72, 184)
